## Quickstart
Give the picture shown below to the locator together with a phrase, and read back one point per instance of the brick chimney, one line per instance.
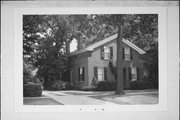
(79, 43)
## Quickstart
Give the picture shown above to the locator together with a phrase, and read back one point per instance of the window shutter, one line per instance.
(129, 71)
(102, 53)
(105, 73)
(83, 74)
(123, 53)
(137, 73)
(95, 72)
(131, 55)
(111, 52)
(79, 74)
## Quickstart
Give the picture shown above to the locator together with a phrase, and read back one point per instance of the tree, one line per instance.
(46, 38)
(45, 43)
(141, 29)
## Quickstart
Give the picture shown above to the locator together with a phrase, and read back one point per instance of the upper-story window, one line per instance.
(127, 54)
(107, 52)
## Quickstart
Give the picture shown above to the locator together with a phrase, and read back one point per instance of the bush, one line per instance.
(140, 85)
(32, 90)
(60, 85)
(88, 88)
(106, 86)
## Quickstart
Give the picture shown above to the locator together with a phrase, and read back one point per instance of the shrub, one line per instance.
(140, 85)
(88, 88)
(60, 85)
(32, 90)
(106, 85)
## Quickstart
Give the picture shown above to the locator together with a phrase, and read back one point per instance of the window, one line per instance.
(106, 53)
(133, 74)
(127, 53)
(100, 73)
(81, 74)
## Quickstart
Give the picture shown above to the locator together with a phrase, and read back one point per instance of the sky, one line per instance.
(73, 45)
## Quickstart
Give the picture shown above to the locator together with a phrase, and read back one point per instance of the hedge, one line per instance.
(88, 88)
(140, 85)
(134, 85)
(106, 86)
(32, 90)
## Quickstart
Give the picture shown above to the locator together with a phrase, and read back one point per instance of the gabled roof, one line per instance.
(102, 42)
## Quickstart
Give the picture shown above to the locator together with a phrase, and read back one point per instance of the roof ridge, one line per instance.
(106, 40)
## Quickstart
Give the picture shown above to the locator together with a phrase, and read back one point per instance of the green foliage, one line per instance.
(140, 85)
(32, 90)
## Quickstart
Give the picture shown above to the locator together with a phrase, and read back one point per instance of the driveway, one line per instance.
(73, 97)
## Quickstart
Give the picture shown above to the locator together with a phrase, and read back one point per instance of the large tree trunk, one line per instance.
(120, 87)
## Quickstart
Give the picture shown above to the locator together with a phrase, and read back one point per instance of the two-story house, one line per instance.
(96, 62)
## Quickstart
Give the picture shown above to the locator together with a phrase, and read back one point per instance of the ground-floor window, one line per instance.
(133, 74)
(100, 73)
(81, 74)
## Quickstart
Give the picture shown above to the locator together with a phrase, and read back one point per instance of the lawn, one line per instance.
(40, 101)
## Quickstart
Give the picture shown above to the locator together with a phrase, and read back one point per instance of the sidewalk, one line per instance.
(68, 99)
(103, 98)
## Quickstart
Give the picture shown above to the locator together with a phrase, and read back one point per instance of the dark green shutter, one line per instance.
(123, 53)
(95, 72)
(105, 73)
(111, 52)
(102, 53)
(137, 73)
(131, 55)
(129, 71)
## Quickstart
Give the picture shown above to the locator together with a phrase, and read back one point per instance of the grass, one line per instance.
(40, 101)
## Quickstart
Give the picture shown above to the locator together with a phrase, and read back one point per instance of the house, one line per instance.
(98, 62)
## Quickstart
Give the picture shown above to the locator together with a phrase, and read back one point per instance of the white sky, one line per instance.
(73, 45)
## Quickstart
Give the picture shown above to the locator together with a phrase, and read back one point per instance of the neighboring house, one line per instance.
(98, 61)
